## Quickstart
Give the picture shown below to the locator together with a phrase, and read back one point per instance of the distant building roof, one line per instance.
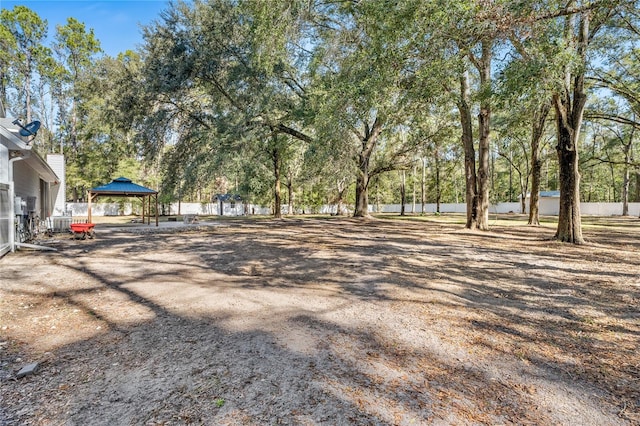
(122, 186)
(226, 197)
(546, 194)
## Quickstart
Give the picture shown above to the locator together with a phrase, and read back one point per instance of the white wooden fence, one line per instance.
(548, 207)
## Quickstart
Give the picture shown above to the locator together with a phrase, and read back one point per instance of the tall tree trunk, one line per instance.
(340, 187)
(636, 176)
(403, 192)
(625, 191)
(569, 219)
(524, 186)
(369, 141)
(74, 142)
(275, 157)
(637, 179)
(510, 174)
(290, 194)
(27, 89)
(612, 195)
(362, 184)
(484, 128)
(626, 179)
(438, 189)
(537, 130)
(413, 205)
(464, 106)
(569, 113)
(422, 185)
(74, 128)
(3, 92)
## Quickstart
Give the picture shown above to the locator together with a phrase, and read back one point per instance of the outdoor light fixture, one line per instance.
(30, 129)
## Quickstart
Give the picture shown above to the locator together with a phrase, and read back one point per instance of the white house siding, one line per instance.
(5, 218)
(56, 162)
(27, 177)
(27, 184)
(4, 164)
(5, 201)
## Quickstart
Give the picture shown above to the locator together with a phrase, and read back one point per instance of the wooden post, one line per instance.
(156, 209)
(89, 197)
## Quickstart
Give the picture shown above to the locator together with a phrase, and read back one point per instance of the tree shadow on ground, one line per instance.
(387, 323)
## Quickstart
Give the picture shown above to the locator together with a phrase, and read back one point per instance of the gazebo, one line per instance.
(123, 187)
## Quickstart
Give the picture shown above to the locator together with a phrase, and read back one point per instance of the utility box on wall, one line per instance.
(31, 204)
(19, 206)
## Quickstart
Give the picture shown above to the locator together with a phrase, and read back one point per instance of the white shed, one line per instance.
(549, 203)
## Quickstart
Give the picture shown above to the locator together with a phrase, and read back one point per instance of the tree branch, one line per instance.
(293, 132)
(565, 11)
(611, 117)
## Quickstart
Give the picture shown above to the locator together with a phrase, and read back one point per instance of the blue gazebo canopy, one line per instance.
(124, 187)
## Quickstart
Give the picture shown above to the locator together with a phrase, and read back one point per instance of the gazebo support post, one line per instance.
(156, 209)
(89, 199)
(143, 208)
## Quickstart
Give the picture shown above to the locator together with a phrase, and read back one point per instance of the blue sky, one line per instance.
(116, 23)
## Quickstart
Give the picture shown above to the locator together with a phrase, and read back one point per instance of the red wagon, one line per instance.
(82, 230)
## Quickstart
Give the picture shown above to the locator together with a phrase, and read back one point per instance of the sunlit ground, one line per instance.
(311, 320)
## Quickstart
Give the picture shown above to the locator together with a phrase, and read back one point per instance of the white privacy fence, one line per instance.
(205, 209)
(608, 209)
(444, 208)
(548, 207)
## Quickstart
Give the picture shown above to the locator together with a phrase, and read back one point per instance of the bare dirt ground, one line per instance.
(324, 322)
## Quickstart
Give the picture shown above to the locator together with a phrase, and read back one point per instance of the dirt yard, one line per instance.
(324, 322)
